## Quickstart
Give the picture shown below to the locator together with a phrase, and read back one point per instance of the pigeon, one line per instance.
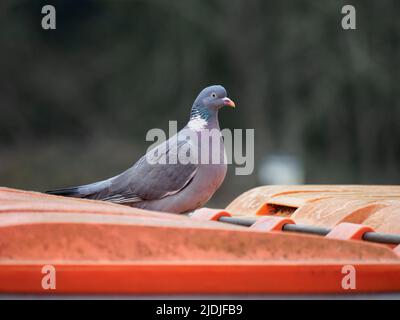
(159, 180)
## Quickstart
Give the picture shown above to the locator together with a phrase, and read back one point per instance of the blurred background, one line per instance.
(76, 102)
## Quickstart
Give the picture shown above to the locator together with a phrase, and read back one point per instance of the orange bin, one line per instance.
(53, 245)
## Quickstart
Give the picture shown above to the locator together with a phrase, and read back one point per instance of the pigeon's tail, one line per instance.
(86, 191)
(67, 192)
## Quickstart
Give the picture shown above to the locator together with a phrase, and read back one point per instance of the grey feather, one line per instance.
(147, 181)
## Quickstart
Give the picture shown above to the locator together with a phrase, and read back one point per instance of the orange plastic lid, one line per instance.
(51, 244)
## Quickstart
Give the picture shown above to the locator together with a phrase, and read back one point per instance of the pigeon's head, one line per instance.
(210, 100)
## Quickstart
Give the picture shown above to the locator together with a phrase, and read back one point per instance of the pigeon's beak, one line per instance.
(228, 102)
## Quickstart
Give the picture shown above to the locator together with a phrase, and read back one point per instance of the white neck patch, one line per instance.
(197, 124)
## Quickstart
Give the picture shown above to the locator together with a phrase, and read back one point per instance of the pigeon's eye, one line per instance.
(214, 95)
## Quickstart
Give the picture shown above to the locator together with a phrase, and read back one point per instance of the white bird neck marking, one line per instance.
(197, 123)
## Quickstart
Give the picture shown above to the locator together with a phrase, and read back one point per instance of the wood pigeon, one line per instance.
(172, 186)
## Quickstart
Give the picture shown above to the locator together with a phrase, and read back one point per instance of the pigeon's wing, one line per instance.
(149, 179)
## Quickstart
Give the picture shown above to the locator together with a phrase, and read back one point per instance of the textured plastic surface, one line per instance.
(98, 247)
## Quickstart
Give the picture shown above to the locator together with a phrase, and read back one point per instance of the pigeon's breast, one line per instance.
(208, 179)
(205, 150)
